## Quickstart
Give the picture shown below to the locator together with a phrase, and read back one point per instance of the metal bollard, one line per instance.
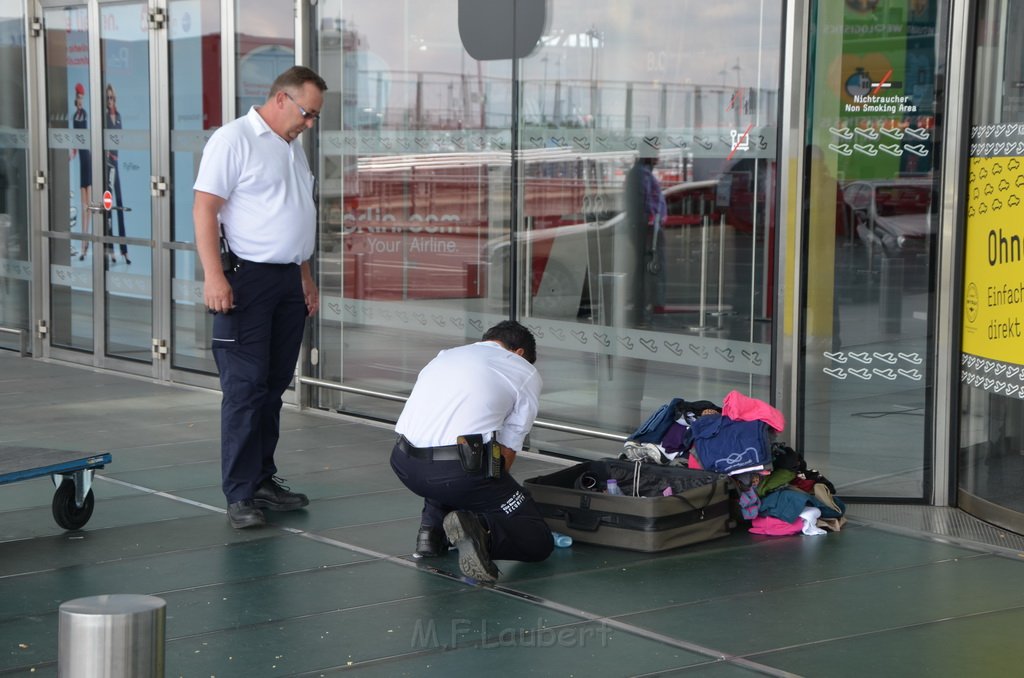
(620, 378)
(112, 636)
(613, 299)
(704, 227)
(890, 302)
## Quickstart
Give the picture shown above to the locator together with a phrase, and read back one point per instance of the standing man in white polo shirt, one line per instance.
(255, 223)
(466, 396)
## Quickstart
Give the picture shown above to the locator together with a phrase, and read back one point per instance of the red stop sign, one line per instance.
(108, 200)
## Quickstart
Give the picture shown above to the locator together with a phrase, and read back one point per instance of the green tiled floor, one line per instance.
(332, 589)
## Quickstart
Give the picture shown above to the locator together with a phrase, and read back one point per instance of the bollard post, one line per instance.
(890, 306)
(705, 224)
(620, 377)
(111, 636)
(613, 299)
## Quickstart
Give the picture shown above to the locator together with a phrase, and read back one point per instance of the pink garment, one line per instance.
(694, 462)
(776, 527)
(744, 408)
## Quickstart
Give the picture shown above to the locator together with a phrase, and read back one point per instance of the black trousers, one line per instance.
(256, 347)
(517, 530)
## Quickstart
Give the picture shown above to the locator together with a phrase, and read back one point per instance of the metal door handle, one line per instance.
(101, 208)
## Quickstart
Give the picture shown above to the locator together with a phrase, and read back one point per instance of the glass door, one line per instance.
(15, 257)
(207, 44)
(71, 105)
(195, 110)
(991, 454)
(125, 180)
(100, 182)
(873, 224)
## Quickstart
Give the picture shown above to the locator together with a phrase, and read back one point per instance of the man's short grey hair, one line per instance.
(295, 77)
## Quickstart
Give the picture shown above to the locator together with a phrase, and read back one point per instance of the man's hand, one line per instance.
(217, 293)
(309, 290)
(509, 455)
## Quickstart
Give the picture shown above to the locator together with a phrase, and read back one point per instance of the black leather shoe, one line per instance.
(469, 536)
(271, 494)
(430, 543)
(242, 514)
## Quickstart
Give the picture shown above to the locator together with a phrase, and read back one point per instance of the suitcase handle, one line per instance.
(700, 511)
(582, 522)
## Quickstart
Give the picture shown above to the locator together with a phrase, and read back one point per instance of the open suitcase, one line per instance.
(697, 510)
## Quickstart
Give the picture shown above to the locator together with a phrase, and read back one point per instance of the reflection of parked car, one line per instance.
(895, 215)
(566, 260)
(560, 253)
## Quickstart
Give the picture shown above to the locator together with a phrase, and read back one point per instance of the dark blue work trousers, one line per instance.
(256, 347)
(517, 530)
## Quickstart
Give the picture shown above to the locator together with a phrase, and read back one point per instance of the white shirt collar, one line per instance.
(259, 125)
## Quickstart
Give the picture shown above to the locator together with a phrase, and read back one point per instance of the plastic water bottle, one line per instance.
(562, 540)
(612, 487)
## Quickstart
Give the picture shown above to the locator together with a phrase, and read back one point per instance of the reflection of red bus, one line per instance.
(412, 232)
(437, 226)
(424, 227)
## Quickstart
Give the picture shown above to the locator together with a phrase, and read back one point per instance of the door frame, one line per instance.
(159, 210)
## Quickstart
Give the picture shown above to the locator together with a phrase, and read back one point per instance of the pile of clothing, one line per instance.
(792, 499)
(776, 491)
(732, 438)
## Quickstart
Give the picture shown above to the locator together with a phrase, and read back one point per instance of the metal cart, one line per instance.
(72, 476)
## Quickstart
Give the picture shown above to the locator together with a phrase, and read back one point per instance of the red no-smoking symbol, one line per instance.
(108, 200)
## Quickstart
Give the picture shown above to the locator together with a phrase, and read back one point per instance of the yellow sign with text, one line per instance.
(994, 261)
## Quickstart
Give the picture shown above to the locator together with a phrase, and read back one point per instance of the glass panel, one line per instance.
(15, 266)
(992, 367)
(648, 169)
(872, 222)
(69, 182)
(124, 50)
(195, 96)
(417, 202)
(415, 149)
(266, 47)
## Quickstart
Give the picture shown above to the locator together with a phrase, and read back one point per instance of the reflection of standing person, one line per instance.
(80, 120)
(487, 390)
(112, 178)
(254, 183)
(645, 215)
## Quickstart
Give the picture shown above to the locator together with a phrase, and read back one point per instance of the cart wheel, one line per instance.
(67, 515)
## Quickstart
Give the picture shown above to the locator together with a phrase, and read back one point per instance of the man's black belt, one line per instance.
(242, 263)
(440, 453)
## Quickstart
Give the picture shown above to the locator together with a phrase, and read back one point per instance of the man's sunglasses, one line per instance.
(306, 115)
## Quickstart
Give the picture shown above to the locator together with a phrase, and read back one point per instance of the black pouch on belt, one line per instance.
(472, 452)
(228, 260)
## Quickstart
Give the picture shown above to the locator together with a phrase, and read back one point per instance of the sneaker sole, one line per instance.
(471, 562)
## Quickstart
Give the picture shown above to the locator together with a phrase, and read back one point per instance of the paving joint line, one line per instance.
(497, 588)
